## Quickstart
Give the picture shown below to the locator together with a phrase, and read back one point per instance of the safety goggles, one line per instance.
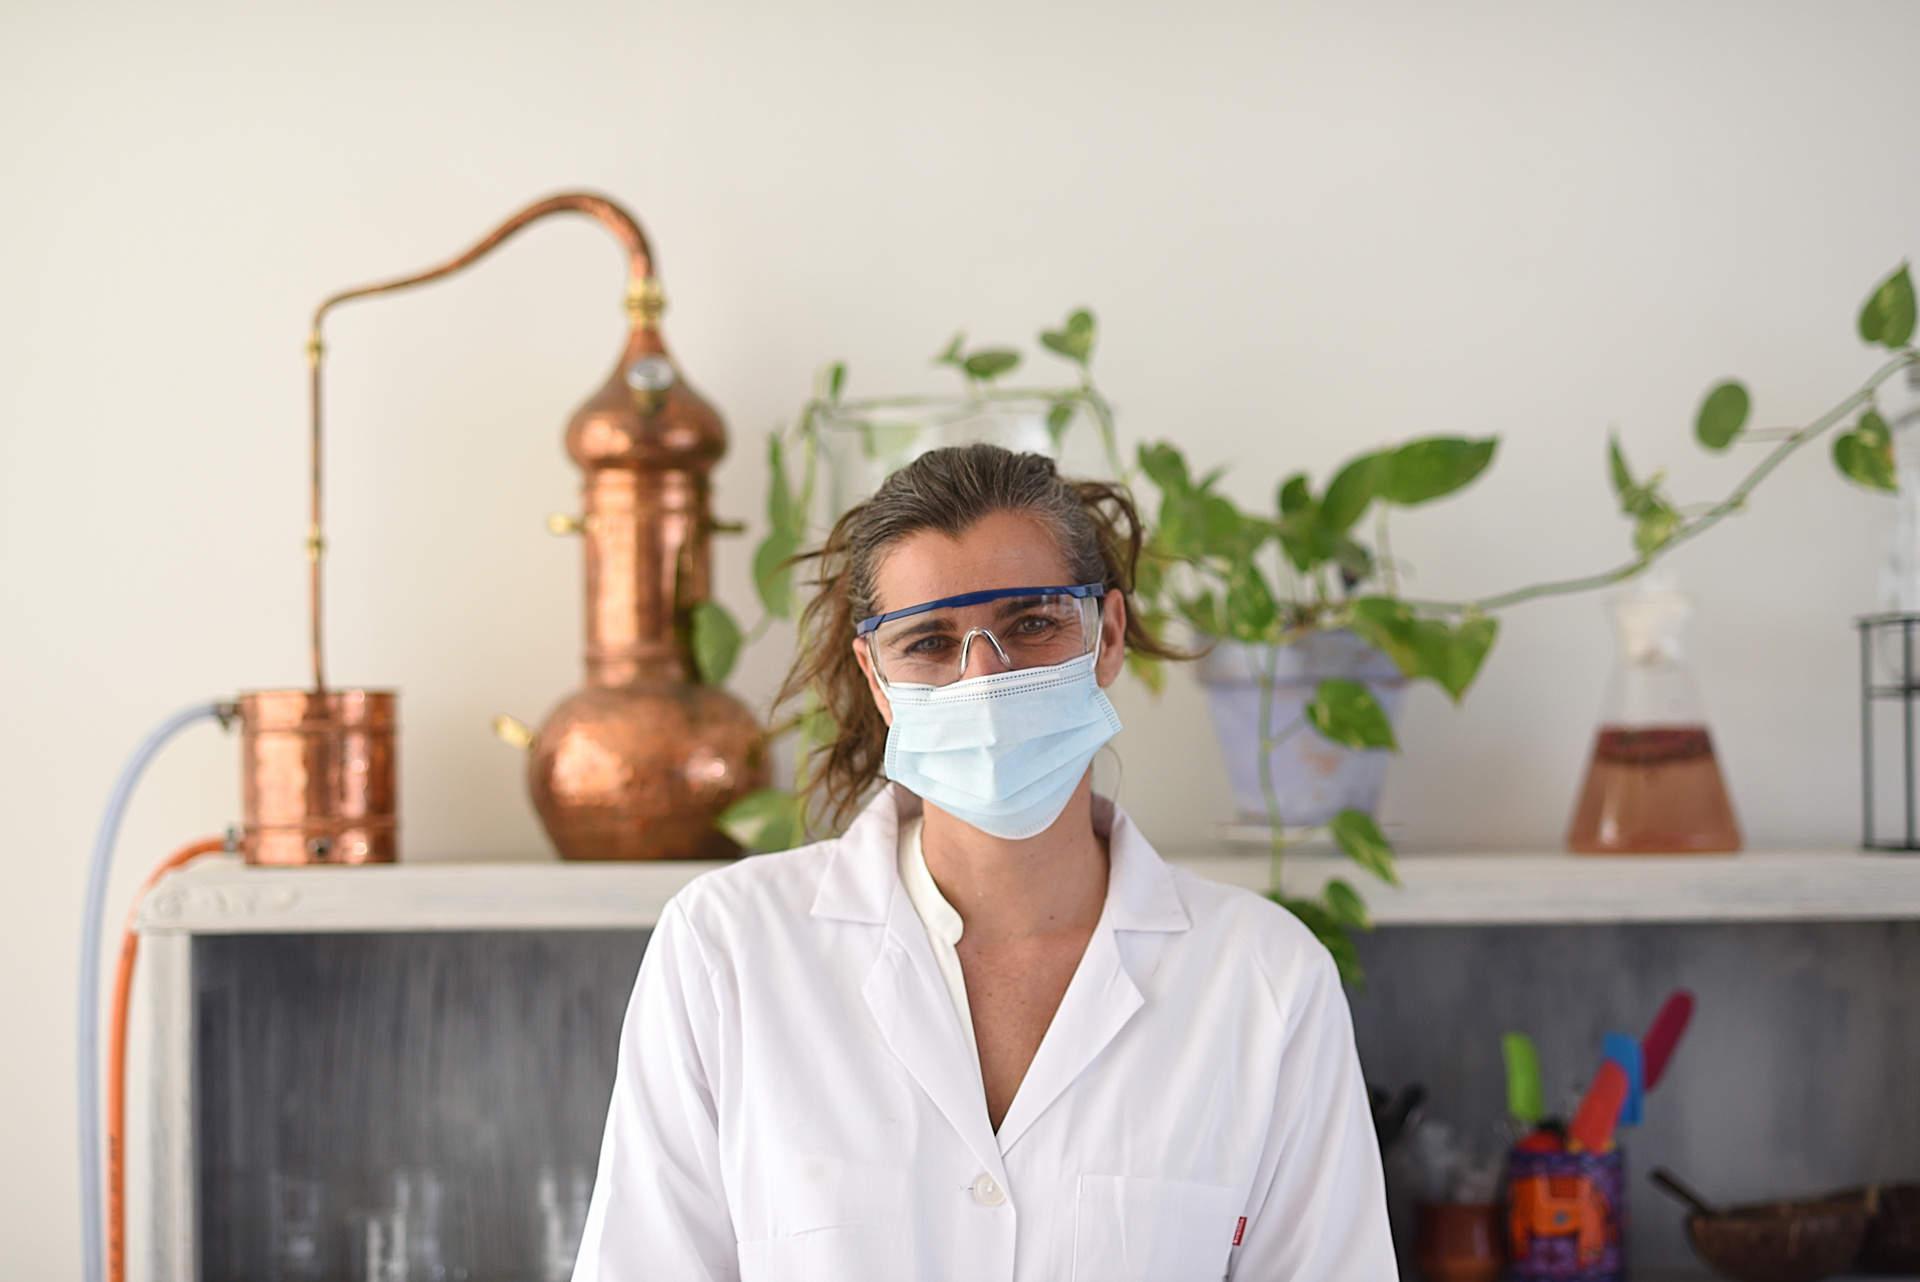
(1027, 628)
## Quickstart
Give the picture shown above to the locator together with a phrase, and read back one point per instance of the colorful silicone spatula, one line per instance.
(1599, 1113)
(1664, 1034)
(1625, 1051)
(1523, 1078)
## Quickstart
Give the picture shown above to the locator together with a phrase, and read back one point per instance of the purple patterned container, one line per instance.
(1567, 1216)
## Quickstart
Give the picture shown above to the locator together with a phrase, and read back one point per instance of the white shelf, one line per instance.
(1563, 889)
(223, 896)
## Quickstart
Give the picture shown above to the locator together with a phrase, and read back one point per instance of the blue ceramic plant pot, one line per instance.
(1315, 778)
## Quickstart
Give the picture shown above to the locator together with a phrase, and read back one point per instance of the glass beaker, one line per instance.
(406, 1240)
(562, 1215)
(1653, 783)
(295, 1227)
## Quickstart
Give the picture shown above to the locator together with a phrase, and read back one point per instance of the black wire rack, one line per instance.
(1889, 692)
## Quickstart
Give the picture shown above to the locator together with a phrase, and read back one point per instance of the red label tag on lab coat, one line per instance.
(1239, 1230)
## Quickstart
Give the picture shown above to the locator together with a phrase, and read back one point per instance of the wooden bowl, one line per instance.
(1892, 1243)
(1780, 1241)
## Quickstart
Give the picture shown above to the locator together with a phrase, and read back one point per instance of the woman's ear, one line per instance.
(864, 658)
(1113, 638)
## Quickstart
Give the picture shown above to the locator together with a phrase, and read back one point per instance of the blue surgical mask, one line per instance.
(1002, 752)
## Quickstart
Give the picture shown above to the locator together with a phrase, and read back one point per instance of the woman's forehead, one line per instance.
(1001, 550)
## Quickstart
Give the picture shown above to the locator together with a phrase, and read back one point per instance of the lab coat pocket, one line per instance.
(1128, 1230)
(830, 1220)
(836, 1254)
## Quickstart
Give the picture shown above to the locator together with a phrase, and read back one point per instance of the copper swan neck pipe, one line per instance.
(644, 304)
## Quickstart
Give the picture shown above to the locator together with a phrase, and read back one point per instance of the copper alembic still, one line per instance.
(638, 763)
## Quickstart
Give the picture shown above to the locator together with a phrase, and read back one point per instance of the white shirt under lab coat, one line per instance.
(797, 1102)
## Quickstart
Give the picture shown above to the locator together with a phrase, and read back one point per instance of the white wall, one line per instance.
(1306, 229)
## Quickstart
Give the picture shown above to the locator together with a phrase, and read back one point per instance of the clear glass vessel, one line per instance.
(1653, 782)
(864, 442)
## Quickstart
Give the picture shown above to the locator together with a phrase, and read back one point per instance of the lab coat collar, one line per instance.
(910, 1004)
(862, 875)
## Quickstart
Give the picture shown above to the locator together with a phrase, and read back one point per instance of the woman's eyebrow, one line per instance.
(1015, 604)
(924, 624)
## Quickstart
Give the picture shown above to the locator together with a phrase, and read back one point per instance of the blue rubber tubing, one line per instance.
(92, 1234)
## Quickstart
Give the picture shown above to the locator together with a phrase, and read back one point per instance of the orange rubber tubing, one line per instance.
(117, 1062)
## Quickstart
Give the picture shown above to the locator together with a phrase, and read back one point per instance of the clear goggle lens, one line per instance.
(938, 647)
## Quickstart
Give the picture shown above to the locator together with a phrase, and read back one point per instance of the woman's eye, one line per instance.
(1034, 625)
(927, 647)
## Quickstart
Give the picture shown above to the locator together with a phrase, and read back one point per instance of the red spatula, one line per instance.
(1592, 1128)
(1656, 1048)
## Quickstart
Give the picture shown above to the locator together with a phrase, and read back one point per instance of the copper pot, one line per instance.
(317, 777)
(639, 763)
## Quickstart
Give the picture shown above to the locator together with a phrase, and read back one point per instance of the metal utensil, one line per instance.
(1675, 1187)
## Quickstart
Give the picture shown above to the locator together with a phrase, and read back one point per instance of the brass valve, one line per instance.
(513, 732)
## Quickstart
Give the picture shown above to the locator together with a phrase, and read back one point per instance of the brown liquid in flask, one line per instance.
(1653, 784)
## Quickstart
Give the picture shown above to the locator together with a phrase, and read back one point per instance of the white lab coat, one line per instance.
(797, 1102)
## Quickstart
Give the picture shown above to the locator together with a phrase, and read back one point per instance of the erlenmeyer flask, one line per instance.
(1653, 784)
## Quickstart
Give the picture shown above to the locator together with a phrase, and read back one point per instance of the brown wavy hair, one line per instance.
(945, 490)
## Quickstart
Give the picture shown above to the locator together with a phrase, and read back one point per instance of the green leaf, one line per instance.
(990, 363)
(1352, 490)
(1345, 712)
(779, 488)
(952, 355)
(1345, 906)
(1388, 626)
(1617, 467)
(1306, 541)
(1166, 467)
(1452, 656)
(836, 379)
(1360, 837)
(1331, 935)
(1203, 613)
(1866, 458)
(1294, 496)
(1655, 529)
(1873, 430)
(770, 819)
(1722, 415)
(1354, 560)
(773, 573)
(1074, 340)
(716, 642)
(1887, 316)
(1251, 610)
(1059, 415)
(1655, 520)
(1423, 470)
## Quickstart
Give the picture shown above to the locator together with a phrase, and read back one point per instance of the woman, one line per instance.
(986, 1033)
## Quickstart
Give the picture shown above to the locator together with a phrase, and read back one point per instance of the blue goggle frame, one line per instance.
(865, 626)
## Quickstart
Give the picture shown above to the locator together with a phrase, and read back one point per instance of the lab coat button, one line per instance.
(986, 1192)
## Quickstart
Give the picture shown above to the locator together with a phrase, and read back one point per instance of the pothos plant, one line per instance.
(1312, 562)
(1308, 564)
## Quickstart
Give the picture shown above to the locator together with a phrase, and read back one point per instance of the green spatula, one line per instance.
(1523, 1078)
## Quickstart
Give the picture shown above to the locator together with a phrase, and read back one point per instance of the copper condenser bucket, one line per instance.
(317, 781)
